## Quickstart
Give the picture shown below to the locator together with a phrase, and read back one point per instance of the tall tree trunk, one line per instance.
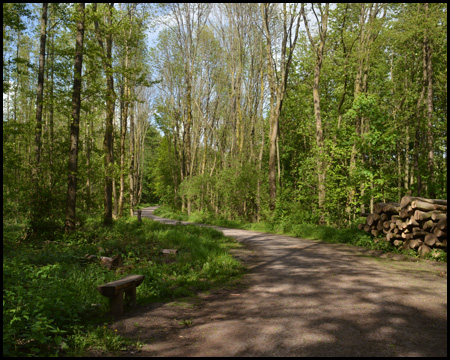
(75, 126)
(40, 93)
(427, 49)
(36, 198)
(109, 127)
(126, 101)
(123, 134)
(261, 149)
(108, 140)
(89, 147)
(419, 115)
(51, 104)
(406, 180)
(277, 83)
(368, 32)
(319, 49)
(132, 151)
(319, 141)
(273, 119)
(188, 124)
(258, 185)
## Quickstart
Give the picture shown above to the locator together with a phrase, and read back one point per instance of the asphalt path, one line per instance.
(303, 298)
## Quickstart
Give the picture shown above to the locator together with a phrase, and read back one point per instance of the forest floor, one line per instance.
(301, 298)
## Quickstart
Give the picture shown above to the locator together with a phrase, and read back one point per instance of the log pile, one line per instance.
(414, 223)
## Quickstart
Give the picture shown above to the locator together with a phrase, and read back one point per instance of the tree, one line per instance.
(278, 75)
(318, 50)
(75, 125)
(239, 132)
(428, 66)
(369, 28)
(40, 92)
(190, 19)
(36, 197)
(110, 100)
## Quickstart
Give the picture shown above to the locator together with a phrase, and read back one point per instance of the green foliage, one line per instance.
(377, 137)
(100, 337)
(299, 224)
(437, 255)
(50, 304)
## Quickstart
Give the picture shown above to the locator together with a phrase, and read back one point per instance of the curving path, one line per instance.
(303, 298)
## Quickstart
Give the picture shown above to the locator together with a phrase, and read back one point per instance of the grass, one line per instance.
(50, 303)
(287, 226)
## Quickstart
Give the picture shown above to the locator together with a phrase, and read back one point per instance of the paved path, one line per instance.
(304, 298)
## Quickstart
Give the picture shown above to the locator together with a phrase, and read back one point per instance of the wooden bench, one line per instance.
(114, 291)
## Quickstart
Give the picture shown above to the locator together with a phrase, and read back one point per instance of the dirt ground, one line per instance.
(302, 298)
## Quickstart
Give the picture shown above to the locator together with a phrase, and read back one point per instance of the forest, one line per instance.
(298, 113)
(241, 110)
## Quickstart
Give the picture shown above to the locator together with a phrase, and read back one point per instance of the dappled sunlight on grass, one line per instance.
(287, 226)
(50, 287)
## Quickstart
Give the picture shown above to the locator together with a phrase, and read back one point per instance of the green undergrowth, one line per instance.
(288, 226)
(50, 303)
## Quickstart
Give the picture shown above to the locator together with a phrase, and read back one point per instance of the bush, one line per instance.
(49, 295)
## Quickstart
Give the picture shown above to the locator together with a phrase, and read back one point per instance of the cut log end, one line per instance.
(414, 223)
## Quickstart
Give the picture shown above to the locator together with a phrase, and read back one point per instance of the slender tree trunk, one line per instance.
(115, 197)
(367, 35)
(278, 158)
(261, 149)
(273, 133)
(132, 146)
(75, 126)
(89, 143)
(419, 115)
(40, 93)
(51, 104)
(427, 49)
(346, 54)
(123, 134)
(319, 49)
(188, 124)
(141, 181)
(109, 127)
(16, 93)
(319, 142)
(108, 141)
(278, 85)
(406, 181)
(36, 198)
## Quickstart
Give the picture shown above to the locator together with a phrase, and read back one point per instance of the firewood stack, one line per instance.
(415, 223)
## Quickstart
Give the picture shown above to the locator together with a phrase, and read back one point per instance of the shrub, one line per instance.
(49, 295)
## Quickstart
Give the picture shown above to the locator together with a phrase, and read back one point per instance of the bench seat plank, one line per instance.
(113, 288)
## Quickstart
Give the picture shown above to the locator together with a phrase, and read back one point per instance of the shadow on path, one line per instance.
(303, 298)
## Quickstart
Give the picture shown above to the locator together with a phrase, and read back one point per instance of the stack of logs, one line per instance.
(414, 223)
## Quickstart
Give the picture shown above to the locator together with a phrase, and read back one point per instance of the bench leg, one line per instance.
(117, 303)
(130, 295)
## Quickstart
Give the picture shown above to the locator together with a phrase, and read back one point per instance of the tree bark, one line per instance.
(40, 93)
(319, 49)
(406, 200)
(427, 206)
(419, 114)
(261, 149)
(75, 126)
(123, 134)
(132, 151)
(277, 83)
(430, 163)
(109, 127)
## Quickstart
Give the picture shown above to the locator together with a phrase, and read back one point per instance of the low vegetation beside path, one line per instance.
(50, 302)
(289, 226)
